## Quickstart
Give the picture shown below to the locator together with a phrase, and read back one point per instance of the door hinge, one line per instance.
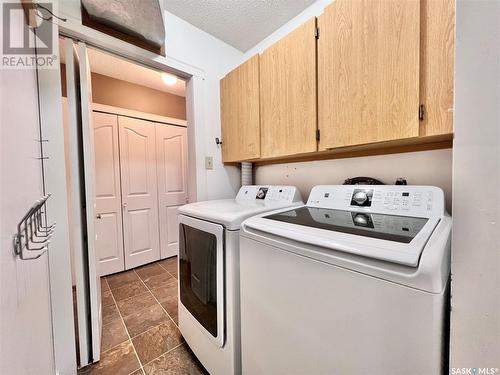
(316, 32)
(317, 135)
(421, 112)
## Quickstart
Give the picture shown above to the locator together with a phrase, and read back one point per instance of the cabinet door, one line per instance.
(437, 57)
(368, 72)
(108, 222)
(139, 191)
(240, 119)
(288, 94)
(171, 156)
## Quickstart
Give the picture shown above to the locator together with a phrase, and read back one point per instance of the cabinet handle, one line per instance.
(98, 216)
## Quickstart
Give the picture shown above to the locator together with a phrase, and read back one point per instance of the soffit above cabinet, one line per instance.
(142, 20)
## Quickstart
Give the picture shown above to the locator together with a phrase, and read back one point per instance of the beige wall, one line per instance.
(419, 168)
(117, 93)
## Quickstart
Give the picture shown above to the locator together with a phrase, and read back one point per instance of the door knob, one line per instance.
(98, 216)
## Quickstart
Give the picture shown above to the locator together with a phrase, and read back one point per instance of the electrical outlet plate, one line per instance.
(209, 162)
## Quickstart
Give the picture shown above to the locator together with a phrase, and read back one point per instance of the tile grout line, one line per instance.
(150, 328)
(168, 351)
(126, 329)
(170, 273)
(156, 299)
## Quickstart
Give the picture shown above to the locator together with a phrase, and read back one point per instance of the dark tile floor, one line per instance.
(139, 316)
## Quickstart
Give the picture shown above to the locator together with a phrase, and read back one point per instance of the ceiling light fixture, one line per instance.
(169, 79)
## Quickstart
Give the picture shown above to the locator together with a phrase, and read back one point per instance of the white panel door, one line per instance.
(108, 222)
(171, 155)
(139, 191)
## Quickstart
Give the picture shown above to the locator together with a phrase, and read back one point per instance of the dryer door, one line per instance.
(201, 274)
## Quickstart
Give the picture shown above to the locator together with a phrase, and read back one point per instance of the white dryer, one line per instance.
(354, 282)
(209, 313)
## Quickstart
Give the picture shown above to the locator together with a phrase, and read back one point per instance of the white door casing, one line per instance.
(108, 220)
(171, 156)
(89, 169)
(139, 191)
(75, 206)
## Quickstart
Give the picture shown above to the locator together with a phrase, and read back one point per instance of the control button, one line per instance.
(361, 219)
(360, 197)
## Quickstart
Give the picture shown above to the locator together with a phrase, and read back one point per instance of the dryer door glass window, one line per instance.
(198, 275)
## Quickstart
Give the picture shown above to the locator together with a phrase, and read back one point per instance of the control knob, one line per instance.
(360, 197)
(361, 220)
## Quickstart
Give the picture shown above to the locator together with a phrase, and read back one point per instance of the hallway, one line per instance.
(139, 316)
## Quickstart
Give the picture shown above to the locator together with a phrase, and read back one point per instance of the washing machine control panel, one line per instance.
(405, 200)
(268, 193)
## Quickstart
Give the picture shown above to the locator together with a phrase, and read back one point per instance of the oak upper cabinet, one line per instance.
(437, 59)
(368, 72)
(240, 119)
(288, 94)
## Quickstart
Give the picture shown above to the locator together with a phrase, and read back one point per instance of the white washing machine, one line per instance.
(354, 282)
(209, 314)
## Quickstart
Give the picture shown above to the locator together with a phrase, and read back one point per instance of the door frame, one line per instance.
(195, 93)
(50, 96)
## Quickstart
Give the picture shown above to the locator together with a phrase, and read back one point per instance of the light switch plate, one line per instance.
(209, 162)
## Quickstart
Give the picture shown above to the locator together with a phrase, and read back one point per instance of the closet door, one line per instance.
(171, 155)
(139, 191)
(108, 223)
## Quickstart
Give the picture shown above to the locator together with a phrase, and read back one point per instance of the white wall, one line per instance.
(475, 315)
(195, 47)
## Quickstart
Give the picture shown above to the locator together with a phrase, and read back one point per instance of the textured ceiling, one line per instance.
(240, 23)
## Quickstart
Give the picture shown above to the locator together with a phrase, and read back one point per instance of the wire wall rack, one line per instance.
(33, 232)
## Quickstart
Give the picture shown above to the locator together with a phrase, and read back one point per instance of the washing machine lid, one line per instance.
(390, 223)
(401, 229)
(394, 239)
(251, 200)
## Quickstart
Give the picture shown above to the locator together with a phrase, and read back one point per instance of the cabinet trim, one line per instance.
(138, 115)
(414, 144)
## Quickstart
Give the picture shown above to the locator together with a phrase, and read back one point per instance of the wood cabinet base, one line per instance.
(381, 148)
